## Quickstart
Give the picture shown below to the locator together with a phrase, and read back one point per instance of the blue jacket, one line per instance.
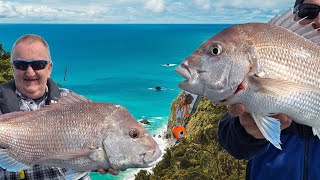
(299, 158)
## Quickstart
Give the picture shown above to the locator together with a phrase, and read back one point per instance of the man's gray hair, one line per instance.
(31, 38)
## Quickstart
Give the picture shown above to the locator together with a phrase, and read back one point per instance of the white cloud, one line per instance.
(35, 13)
(141, 11)
(203, 4)
(7, 9)
(155, 5)
(267, 4)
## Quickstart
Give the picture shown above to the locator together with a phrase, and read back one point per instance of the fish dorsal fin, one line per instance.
(9, 163)
(72, 98)
(287, 21)
(273, 20)
(305, 30)
(64, 100)
(316, 40)
(69, 99)
(8, 116)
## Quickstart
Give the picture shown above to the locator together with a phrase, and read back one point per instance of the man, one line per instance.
(240, 136)
(31, 89)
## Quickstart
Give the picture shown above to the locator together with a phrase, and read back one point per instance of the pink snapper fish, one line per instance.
(269, 67)
(75, 134)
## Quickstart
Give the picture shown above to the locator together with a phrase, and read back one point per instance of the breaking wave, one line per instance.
(168, 65)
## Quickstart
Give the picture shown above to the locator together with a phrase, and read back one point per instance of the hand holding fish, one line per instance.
(248, 123)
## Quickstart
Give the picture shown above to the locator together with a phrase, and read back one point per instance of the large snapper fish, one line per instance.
(269, 67)
(75, 134)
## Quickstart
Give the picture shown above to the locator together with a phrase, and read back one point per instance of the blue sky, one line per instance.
(141, 11)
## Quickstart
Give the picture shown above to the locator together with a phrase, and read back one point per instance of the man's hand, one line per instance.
(248, 123)
(109, 170)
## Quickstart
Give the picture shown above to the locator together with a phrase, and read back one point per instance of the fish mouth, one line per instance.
(194, 85)
(184, 71)
(188, 73)
(151, 158)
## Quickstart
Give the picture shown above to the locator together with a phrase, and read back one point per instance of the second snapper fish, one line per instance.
(269, 67)
(75, 134)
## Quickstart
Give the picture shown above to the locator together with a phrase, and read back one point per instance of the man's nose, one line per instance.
(29, 71)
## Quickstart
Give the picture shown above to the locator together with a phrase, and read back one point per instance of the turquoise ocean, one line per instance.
(120, 63)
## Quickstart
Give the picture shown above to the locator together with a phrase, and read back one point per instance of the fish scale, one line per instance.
(276, 64)
(278, 61)
(72, 135)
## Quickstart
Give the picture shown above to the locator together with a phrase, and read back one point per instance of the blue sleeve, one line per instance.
(236, 141)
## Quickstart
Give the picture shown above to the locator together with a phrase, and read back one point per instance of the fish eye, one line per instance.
(134, 133)
(216, 49)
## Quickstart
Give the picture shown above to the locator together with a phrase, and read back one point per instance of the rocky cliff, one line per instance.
(199, 155)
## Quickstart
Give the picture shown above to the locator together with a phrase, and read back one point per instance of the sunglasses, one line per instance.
(310, 11)
(36, 64)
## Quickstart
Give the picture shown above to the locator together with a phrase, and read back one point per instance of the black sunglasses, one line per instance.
(310, 11)
(36, 64)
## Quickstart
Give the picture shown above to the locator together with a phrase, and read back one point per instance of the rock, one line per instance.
(144, 121)
(158, 88)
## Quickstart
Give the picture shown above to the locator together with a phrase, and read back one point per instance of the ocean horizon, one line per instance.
(120, 63)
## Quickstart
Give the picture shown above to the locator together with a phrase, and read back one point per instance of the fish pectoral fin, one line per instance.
(269, 127)
(71, 174)
(67, 155)
(9, 163)
(281, 87)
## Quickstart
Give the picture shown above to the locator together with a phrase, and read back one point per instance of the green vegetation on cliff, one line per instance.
(5, 66)
(3, 53)
(199, 155)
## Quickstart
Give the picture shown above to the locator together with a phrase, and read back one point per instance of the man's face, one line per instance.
(316, 19)
(31, 83)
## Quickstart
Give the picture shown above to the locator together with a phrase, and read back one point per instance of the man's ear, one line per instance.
(50, 68)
